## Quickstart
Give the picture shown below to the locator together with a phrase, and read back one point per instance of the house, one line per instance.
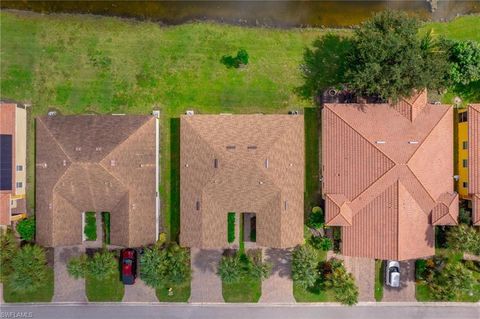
(96, 163)
(388, 176)
(13, 150)
(249, 165)
(474, 160)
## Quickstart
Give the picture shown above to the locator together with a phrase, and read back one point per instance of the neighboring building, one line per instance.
(13, 151)
(251, 165)
(462, 152)
(96, 163)
(474, 160)
(388, 176)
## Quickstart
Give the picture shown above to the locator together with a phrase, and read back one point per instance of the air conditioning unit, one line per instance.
(190, 112)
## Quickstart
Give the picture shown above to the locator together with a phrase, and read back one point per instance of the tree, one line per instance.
(324, 65)
(323, 243)
(229, 269)
(102, 265)
(316, 219)
(304, 266)
(390, 60)
(26, 228)
(29, 269)
(343, 284)
(464, 59)
(452, 281)
(464, 238)
(8, 249)
(77, 266)
(165, 265)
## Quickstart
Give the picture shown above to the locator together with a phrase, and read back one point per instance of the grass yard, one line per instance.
(379, 277)
(312, 165)
(110, 289)
(84, 64)
(246, 290)
(181, 293)
(315, 294)
(44, 294)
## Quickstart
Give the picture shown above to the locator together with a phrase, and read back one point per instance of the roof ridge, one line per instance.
(423, 186)
(56, 141)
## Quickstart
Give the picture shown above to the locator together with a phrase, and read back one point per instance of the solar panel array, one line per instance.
(5, 162)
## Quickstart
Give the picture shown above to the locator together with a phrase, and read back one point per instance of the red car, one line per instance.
(128, 262)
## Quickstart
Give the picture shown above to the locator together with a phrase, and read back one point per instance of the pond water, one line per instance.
(275, 13)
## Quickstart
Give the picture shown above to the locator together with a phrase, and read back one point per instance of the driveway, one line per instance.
(66, 287)
(278, 288)
(206, 284)
(363, 269)
(406, 291)
(139, 292)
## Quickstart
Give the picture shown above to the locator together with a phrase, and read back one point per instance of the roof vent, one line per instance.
(197, 205)
(286, 205)
(260, 182)
(412, 142)
(291, 164)
(113, 162)
(98, 148)
(252, 147)
(78, 148)
(215, 163)
(380, 142)
(230, 147)
(186, 165)
(64, 162)
(266, 163)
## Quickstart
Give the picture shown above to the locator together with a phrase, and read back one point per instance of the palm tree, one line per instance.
(29, 269)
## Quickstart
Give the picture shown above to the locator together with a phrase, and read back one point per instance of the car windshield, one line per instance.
(394, 269)
(127, 261)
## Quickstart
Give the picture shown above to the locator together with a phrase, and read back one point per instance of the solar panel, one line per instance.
(5, 162)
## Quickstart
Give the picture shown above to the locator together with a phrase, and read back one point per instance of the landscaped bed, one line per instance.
(180, 293)
(90, 229)
(109, 289)
(231, 227)
(379, 277)
(43, 294)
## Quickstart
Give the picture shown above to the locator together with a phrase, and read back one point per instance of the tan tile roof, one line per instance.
(394, 165)
(95, 163)
(474, 159)
(242, 146)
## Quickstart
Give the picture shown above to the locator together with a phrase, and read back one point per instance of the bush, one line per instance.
(464, 59)
(90, 226)
(464, 238)
(453, 280)
(420, 269)
(8, 249)
(233, 268)
(29, 269)
(229, 269)
(102, 265)
(77, 266)
(26, 228)
(342, 283)
(106, 227)
(231, 227)
(237, 61)
(464, 216)
(316, 219)
(304, 266)
(322, 243)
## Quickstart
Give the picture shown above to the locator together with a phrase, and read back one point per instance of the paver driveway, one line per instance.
(66, 287)
(139, 292)
(406, 291)
(206, 284)
(278, 288)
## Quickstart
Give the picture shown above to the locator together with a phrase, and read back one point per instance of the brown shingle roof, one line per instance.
(394, 165)
(242, 163)
(474, 159)
(95, 163)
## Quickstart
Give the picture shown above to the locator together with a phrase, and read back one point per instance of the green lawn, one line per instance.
(181, 293)
(312, 165)
(44, 294)
(246, 290)
(110, 289)
(314, 294)
(84, 64)
(379, 277)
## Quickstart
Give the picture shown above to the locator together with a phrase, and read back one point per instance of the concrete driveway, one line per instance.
(278, 288)
(66, 287)
(206, 285)
(139, 292)
(406, 291)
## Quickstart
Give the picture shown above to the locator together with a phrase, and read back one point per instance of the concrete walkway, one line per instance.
(66, 287)
(278, 288)
(139, 292)
(406, 291)
(206, 284)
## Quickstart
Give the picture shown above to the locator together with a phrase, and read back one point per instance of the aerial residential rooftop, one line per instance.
(474, 159)
(388, 176)
(243, 164)
(97, 163)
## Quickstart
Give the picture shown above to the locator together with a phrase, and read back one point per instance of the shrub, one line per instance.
(453, 280)
(90, 226)
(29, 269)
(235, 61)
(304, 266)
(77, 266)
(26, 228)
(342, 283)
(322, 243)
(464, 238)
(229, 269)
(102, 265)
(8, 249)
(420, 269)
(231, 227)
(464, 217)
(232, 268)
(316, 218)
(106, 227)
(464, 59)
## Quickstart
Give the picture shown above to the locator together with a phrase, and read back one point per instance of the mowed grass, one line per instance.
(43, 294)
(248, 289)
(109, 289)
(379, 279)
(84, 64)
(180, 293)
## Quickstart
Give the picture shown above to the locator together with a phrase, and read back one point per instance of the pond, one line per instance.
(275, 13)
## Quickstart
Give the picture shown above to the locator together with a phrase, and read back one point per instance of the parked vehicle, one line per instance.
(392, 273)
(128, 263)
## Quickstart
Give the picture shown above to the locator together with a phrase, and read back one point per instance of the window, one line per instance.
(465, 163)
(19, 184)
(19, 168)
(465, 145)
(462, 117)
(465, 184)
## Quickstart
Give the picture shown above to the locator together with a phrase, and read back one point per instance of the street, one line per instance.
(232, 311)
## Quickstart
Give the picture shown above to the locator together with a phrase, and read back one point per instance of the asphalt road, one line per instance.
(242, 311)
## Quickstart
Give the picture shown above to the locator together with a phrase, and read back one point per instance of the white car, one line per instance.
(392, 273)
